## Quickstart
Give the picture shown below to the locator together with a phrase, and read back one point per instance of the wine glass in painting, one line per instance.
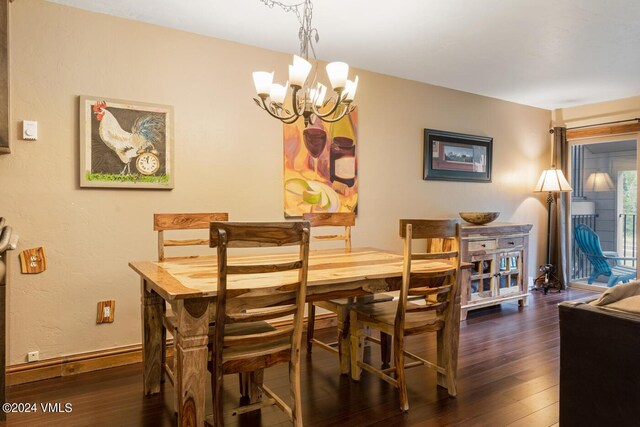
(315, 139)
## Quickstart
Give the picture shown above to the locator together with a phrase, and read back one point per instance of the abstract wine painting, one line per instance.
(321, 167)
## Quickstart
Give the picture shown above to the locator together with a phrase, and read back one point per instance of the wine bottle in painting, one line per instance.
(342, 156)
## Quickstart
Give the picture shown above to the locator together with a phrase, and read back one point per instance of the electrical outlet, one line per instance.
(33, 356)
(106, 311)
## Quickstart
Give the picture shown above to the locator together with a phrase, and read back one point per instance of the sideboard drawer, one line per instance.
(510, 242)
(482, 245)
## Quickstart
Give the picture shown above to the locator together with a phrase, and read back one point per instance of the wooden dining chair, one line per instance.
(174, 222)
(183, 221)
(339, 306)
(439, 311)
(241, 341)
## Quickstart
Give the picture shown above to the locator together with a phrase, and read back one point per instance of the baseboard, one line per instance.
(104, 359)
(72, 365)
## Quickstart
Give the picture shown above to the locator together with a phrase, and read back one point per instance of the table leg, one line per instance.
(192, 355)
(152, 305)
(344, 342)
(356, 335)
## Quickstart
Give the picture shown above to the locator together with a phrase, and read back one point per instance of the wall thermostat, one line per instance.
(29, 130)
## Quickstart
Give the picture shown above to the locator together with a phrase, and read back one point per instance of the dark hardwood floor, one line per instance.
(507, 375)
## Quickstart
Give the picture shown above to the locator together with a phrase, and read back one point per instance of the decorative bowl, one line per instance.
(479, 218)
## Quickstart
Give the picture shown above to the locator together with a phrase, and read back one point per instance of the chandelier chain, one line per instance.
(308, 36)
(286, 7)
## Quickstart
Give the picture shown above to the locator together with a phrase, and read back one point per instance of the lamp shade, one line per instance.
(599, 181)
(350, 89)
(262, 81)
(552, 180)
(299, 71)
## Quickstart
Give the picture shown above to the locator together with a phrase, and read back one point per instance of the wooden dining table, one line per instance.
(189, 286)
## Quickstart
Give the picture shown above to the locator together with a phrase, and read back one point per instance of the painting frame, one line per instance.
(452, 156)
(5, 145)
(94, 150)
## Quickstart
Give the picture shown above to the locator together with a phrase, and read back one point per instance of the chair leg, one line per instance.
(612, 280)
(294, 381)
(398, 360)
(385, 350)
(357, 346)
(311, 320)
(593, 276)
(216, 391)
(163, 356)
(447, 359)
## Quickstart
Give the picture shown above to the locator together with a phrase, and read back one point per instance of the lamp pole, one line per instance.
(549, 203)
(551, 181)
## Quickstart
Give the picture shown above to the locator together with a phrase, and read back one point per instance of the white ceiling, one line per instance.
(544, 53)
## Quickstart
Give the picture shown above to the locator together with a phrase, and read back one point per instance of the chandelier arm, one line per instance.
(347, 110)
(267, 108)
(339, 101)
(290, 122)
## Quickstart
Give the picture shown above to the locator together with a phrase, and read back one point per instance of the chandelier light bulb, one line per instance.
(262, 81)
(338, 73)
(320, 94)
(350, 89)
(278, 92)
(299, 71)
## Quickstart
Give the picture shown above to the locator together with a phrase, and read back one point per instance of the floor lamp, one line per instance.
(551, 181)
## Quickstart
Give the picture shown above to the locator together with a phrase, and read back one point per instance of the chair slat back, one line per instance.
(270, 303)
(183, 221)
(334, 219)
(440, 284)
(589, 243)
(429, 228)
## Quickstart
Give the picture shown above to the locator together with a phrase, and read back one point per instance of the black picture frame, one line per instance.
(450, 156)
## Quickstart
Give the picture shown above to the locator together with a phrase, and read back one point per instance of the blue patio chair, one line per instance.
(604, 263)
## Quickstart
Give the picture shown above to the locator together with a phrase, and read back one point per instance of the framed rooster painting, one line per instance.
(125, 144)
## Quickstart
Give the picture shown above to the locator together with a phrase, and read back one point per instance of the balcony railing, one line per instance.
(628, 226)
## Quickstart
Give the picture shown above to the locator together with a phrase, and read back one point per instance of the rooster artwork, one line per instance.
(126, 144)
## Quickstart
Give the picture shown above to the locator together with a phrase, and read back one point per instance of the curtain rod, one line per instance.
(601, 124)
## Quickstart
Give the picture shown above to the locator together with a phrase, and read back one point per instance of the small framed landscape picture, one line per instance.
(125, 144)
(450, 156)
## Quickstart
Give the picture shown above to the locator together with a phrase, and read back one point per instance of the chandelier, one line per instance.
(307, 94)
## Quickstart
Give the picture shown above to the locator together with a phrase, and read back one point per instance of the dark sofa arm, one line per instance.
(599, 366)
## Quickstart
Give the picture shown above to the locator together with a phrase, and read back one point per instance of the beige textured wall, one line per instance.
(228, 157)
